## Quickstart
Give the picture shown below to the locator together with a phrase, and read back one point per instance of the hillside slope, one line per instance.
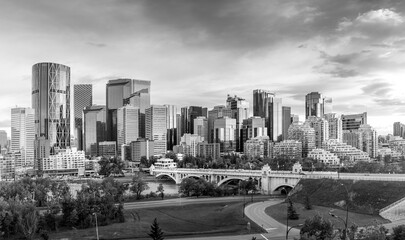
(364, 196)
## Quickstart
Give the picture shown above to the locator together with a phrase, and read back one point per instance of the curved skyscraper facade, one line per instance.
(51, 101)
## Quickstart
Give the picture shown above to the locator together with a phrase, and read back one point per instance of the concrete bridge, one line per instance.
(268, 181)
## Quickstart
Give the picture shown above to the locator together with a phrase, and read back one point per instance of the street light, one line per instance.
(347, 212)
(95, 215)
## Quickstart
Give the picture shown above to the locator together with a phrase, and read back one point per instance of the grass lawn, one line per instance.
(196, 219)
(279, 212)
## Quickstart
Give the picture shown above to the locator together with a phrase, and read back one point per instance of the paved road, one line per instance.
(255, 211)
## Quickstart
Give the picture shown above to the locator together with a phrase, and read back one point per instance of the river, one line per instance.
(169, 187)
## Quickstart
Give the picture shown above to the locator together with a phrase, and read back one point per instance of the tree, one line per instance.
(138, 186)
(111, 166)
(28, 221)
(317, 228)
(187, 186)
(156, 232)
(160, 190)
(372, 233)
(398, 232)
(291, 212)
(308, 205)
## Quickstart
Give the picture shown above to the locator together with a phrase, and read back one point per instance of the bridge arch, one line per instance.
(165, 174)
(231, 178)
(283, 188)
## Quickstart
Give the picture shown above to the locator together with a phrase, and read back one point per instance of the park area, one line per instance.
(214, 219)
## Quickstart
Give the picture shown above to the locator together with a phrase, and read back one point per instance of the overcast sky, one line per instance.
(197, 52)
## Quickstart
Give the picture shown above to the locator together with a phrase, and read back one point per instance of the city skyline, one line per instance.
(211, 49)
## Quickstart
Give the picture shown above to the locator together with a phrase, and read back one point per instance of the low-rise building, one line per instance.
(345, 152)
(107, 149)
(165, 163)
(324, 156)
(69, 162)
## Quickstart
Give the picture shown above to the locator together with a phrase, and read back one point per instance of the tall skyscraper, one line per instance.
(353, 121)
(399, 129)
(266, 105)
(127, 125)
(51, 101)
(156, 129)
(286, 118)
(140, 99)
(335, 126)
(82, 97)
(171, 126)
(314, 105)
(253, 127)
(218, 112)
(3, 139)
(369, 137)
(225, 133)
(94, 121)
(240, 112)
(118, 93)
(201, 127)
(23, 135)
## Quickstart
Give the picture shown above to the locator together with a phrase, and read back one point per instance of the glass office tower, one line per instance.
(51, 101)
(314, 105)
(93, 129)
(118, 92)
(82, 97)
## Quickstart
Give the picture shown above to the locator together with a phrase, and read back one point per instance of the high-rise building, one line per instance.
(321, 127)
(121, 92)
(127, 125)
(201, 127)
(225, 133)
(140, 99)
(3, 139)
(189, 144)
(192, 113)
(399, 129)
(156, 129)
(335, 126)
(314, 105)
(23, 135)
(41, 150)
(51, 101)
(107, 149)
(353, 121)
(353, 138)
(253, 127)
(304, 134)
(142, 148)
(369, 137)
(94, 123)
(218, 112)
(240, 111)
(286, 118)
(171, 126)
(266, 105)
(82, 97)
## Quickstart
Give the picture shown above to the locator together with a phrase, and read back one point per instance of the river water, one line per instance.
(169, 187)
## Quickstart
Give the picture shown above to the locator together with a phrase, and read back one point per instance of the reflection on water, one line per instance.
(169, 187)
